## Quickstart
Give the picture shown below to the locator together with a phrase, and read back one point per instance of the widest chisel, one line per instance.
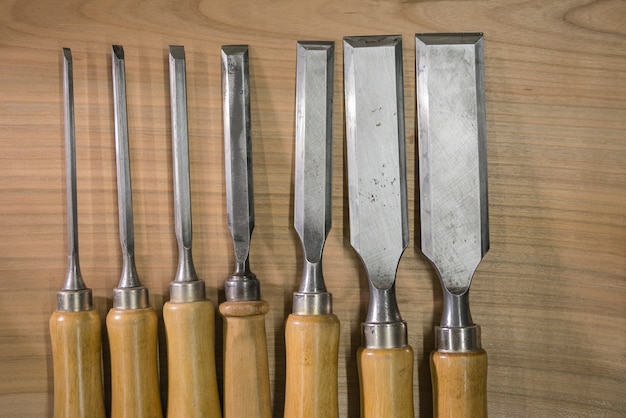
(312, 330)
(246, 371)
(379, 230)
(132, 322)
(75, 326)
(452, 161)
(189, 316)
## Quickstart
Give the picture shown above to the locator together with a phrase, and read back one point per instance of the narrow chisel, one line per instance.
(312, 330)
(75, 326)
(452, 160)
(189, 316)
(379, 231)
(132, 322)
(246, 372)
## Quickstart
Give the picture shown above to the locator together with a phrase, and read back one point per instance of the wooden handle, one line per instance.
(459, 384)
(246, 372)
(386, 376)
(134, 364)
(312, 344)
(190, 330)
(77, 362)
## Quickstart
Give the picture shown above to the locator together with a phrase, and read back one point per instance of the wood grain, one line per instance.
(312, 345)
(459, 384)
(550, 295)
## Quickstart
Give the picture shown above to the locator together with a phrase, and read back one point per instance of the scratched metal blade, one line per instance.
(452, 155)
(237, 148)
(74, 280)
(129, 276)
(313, 177)
(180, 159)
(377, 188)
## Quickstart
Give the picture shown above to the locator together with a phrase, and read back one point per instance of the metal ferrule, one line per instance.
(242, 285)
(458, 340)
(125, 298)
(186, 286)
(384, 335)
(312, 297)
(74, 300)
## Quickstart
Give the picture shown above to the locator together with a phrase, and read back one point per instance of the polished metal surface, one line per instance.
(379, 231)
(458, 339)
(452, 160)
(313, 170)
(186, 286)
(242, 284)
(129, 294)
(74, 296)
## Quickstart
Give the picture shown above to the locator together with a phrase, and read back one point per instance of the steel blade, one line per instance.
(379, 229)
(452, 155)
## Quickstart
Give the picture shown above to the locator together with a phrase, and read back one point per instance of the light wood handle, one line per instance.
(386, 377)
(246, 372)
(77, 362)
(459, 384)
(134, 364)
(190, 331)
(312, 344)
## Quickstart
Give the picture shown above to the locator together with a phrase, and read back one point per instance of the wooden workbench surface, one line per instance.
(550, 294)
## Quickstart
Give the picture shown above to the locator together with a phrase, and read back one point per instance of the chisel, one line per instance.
(452, 160)
(379, 230)
(189, 316)
(132, 322)
(246, 372)
(312, 330)
(75, 326)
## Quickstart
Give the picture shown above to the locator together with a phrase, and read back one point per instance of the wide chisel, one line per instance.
(75, 326)
(379, 230)
(452, 160)
(132, 322)
(312, 330)
(189, 316)
(246, 372)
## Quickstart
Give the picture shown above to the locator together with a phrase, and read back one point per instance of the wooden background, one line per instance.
(550, 295)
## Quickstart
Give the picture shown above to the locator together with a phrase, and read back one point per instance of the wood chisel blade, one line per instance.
(377, 188)
(313, 163)
(452, 160)
(452, 165)
(243, 284)
(186, 286)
